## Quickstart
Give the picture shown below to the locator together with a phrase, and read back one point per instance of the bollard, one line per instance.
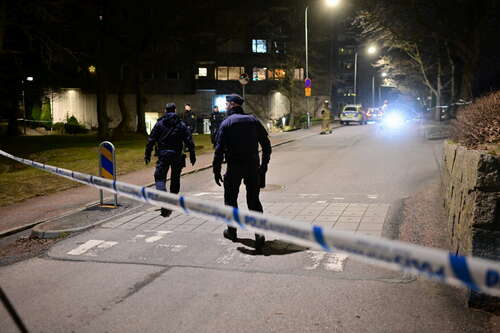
(107, 166)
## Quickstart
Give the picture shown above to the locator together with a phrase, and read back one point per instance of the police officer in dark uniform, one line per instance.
(238, 141)
(216, 119)
(189, 118)
(169, 134)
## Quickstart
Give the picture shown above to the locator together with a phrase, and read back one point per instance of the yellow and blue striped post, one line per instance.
(107, 165)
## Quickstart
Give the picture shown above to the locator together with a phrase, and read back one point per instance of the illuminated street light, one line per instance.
(371, 50)
(332, 3)
(29, 78)
(329, 3)
(384, 74)
(92, 69)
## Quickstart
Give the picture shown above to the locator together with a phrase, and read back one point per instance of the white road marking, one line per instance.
(321, 201)
(106, 245)
(335, 262)
(159, 235)
(226, 258)
(85, 247)
(173, 248)
(372, 196)
(305, 195)
(338, 198)
(316, 257)
(331, 261)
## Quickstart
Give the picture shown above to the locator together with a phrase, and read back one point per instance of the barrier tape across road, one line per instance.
(474, 273)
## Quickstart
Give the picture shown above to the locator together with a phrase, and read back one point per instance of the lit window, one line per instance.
(202, 72)
(348, 65)
(259, 74)
(221, 73)
(298, 74)
(229, 73)
(276, 74)
(259, 46)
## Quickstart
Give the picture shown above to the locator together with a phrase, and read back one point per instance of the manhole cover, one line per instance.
(272, 187)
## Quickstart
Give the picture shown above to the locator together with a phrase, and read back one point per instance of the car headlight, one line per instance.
(394, 120)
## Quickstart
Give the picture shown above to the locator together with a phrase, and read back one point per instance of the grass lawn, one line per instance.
(75, 152)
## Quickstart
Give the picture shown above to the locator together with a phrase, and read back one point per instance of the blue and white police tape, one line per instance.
(475, 273)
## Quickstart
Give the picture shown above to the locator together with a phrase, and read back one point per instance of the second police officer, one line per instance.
(216, 119)
(170, 133)
(238, 141)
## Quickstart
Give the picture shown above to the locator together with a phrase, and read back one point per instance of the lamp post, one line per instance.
(29, 78)
(370, 50)
(329, 3)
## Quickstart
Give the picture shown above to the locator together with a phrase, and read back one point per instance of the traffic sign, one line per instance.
(307, 83)
(308, 92)
(244, 78)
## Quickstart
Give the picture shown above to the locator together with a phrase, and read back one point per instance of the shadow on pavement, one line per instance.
(271, 248)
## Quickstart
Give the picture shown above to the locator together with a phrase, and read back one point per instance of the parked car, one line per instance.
(353, 114)
(374, 114)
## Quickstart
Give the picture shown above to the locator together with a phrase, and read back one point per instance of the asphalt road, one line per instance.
(144, 273)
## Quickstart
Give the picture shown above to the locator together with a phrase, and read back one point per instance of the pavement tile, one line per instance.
(207, 227)
(122, 220)
(338, 205)
(358, 205)
(185, 228)
(353, 213)
(324, 224)
(371, 227)
(349, 219)
(370, 233)
(326, 218)
(373, 219)
(195, 221)
(345, 226)
(305, 218)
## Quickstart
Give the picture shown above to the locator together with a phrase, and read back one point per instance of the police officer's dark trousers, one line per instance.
(173, 161)
(249, 173)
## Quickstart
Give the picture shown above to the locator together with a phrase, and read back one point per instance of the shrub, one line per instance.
(74, 127)
(478, 124)
(58, 127)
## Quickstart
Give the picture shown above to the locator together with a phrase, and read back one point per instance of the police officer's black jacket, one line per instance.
(238, 139)
(216, 118)
(170, 133)
(189, 118)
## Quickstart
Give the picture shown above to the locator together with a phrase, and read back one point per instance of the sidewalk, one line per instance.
(28, 213)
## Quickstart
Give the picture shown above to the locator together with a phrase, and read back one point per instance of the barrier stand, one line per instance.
(107, 168)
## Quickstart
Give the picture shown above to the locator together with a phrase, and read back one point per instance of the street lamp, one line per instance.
(329, 3)
(372, 49)
(29, 78)
(384, 74)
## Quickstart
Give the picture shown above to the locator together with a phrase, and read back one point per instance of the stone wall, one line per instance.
(471, 181)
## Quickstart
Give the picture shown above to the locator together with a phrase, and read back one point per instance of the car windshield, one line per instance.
(350, 109)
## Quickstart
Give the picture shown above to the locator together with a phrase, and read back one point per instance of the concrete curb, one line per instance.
(61, 232)
(37, 232)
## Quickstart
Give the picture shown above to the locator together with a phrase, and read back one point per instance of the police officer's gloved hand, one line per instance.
(192, 158)
(218, 178)
(263, 169)
(147, 159)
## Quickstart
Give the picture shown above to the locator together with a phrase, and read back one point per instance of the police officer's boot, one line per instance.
(259, 243)
(230, 233)
(165, 212)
